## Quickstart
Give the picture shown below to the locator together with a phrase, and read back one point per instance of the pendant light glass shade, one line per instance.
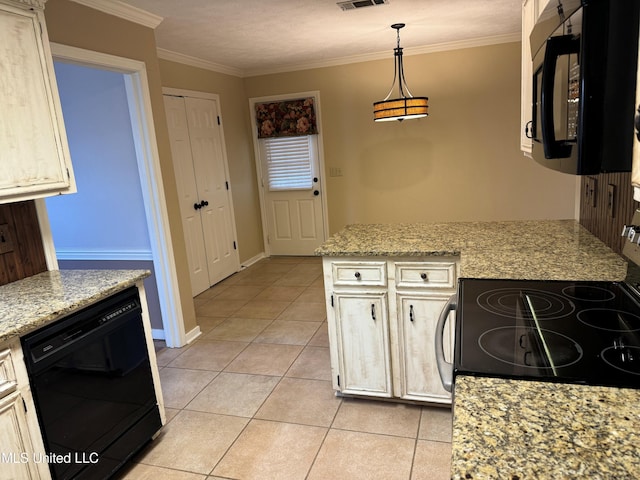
(405, 106)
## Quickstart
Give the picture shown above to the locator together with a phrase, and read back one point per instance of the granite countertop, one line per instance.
(515, 429)
(33, 302)
(534, 250)
(518, 429)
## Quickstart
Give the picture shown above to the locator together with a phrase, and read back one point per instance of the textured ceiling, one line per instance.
(250, 37)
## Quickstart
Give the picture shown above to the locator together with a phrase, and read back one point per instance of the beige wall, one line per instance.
(237, 135)
(461, 163)
(72, 24)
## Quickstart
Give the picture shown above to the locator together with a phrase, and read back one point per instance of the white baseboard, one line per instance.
(99, 254)
(193, 334)
(157, 334)
(253, 260)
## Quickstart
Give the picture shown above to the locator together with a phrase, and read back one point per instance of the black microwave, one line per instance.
(584, 77)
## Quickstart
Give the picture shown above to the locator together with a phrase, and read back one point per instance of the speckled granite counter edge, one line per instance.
(528, 249)
(33, 302)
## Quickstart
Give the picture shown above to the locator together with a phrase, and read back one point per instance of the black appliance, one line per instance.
(584, 76)
(93, 389)
(559, 331)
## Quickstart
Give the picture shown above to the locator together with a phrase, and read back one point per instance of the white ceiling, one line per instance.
(249, 37)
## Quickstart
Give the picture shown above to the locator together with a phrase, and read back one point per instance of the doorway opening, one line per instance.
(159, 248)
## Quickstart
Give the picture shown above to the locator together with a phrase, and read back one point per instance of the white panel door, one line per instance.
(203, 188)
(187, 193)
(295, 218)
(213, 187)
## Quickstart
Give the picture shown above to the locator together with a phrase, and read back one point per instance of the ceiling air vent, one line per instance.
(361, 4)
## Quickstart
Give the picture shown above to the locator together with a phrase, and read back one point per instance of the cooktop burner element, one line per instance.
(572, 332)
(556, 350)
(588, 293)
(623, 358)
(610, 319)
(508, 301)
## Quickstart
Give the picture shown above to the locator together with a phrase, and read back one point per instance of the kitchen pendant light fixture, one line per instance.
(405, 105)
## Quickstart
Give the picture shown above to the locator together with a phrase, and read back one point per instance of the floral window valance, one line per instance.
(289, 118)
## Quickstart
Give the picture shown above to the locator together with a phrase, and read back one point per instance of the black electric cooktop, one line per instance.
(571, 332)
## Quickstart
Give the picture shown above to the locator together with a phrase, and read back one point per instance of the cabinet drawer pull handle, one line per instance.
(411, 315)
(424, 276)
(357, 275)
(373, 311)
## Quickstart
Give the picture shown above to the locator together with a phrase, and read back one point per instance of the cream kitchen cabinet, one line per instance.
(529, 17)
(34, 159)
(416, 374)
(22, 453)
(362, 343)
(382, 315)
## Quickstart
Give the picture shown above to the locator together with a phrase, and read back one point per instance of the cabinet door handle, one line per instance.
(411, 315)
(373, 311)
(357, 275)
(424, 276)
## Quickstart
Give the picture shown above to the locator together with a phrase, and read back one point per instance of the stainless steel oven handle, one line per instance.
(445, 369)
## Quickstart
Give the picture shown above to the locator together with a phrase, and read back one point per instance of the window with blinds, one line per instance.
(289, 162)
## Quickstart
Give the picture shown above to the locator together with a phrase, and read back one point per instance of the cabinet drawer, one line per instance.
(426, 274)
(354, 273)
(8, 382)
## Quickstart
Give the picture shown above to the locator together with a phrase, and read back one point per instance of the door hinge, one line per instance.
(268, 239)
(68, 174)
(227, 185)
(235, 247)
(218, 117)
(24, 404)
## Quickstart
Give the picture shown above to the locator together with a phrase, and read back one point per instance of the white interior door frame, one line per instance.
(256, 154)
(139, 100)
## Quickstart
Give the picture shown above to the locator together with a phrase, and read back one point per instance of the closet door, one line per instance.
(200, 164)
(187, 193)
(213, 187)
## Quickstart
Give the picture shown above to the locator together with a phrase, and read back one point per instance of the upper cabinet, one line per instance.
(34, 154)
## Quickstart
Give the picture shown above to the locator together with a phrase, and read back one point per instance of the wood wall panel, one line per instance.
(27, 257)
(595, 214)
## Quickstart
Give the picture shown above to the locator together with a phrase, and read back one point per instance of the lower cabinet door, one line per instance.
(417, 319)
(16, 451)
(362, 328)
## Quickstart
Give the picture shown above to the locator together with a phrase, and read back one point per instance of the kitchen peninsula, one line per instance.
(533, 250)
(501, 428)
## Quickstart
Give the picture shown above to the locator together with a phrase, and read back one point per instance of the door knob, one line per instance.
(316, 192)
(198, 206)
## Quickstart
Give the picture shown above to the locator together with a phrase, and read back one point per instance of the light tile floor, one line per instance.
(251, 398)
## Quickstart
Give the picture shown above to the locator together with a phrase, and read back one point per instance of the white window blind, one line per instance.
(289, 162)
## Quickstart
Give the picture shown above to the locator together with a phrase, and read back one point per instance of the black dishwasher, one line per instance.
(93, 389)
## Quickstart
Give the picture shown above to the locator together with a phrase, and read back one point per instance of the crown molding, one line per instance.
(440, 47)
(197, 62)
(122, 10)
